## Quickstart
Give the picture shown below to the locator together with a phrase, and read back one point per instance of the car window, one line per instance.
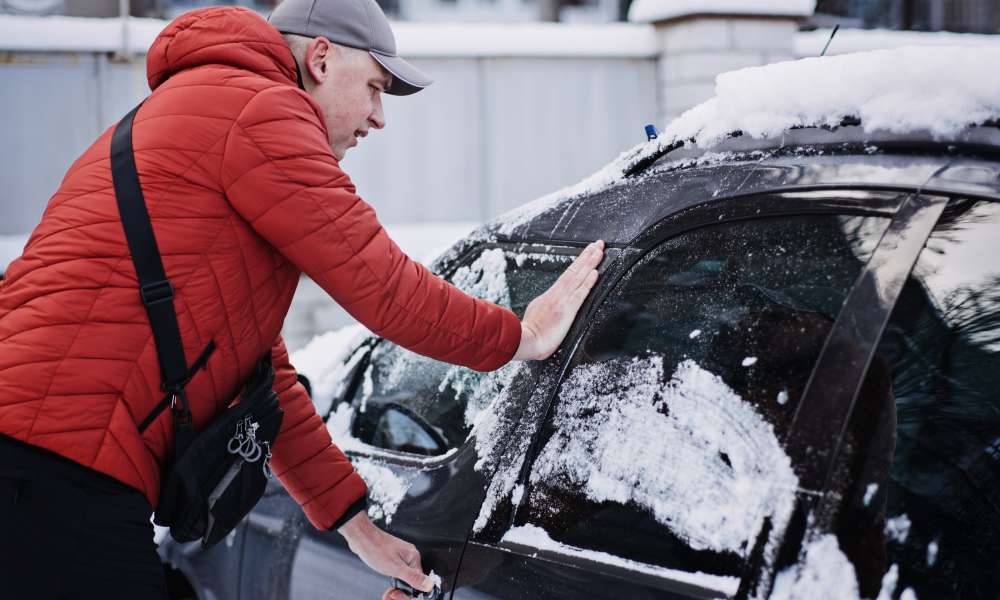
(411, 403)
(664, 445)
(925, 435)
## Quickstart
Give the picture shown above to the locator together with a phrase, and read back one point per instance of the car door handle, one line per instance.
(434, 594)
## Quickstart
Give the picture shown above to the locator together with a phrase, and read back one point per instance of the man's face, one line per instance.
(348, 85)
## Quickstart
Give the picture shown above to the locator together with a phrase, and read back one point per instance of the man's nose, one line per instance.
(377, 118)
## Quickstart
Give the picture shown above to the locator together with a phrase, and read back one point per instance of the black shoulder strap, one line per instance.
(155, 290)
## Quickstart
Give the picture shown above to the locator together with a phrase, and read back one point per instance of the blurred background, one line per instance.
(967, 16)
(530, 95)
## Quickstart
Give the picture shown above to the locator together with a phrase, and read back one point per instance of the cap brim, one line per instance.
(406, 79)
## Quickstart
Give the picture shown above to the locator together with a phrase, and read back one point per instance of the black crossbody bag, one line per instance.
(218, 474)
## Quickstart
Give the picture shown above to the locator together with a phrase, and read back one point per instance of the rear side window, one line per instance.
(664, 445)
(411, 403)
(926, 499)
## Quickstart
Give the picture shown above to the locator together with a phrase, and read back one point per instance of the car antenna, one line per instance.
(836, 28)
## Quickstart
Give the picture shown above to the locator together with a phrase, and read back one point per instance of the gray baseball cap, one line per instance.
(359, 24)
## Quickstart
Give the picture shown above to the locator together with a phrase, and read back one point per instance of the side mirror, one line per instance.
(395, 427)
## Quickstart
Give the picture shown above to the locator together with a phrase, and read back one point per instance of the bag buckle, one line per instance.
(182, 414)
(156, 292)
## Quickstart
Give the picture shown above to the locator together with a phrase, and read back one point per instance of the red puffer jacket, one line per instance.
(244, 195)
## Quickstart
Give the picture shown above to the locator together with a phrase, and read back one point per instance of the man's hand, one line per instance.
(386, 554)
(548, 317)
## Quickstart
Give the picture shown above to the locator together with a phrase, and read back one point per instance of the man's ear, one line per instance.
(317, 54)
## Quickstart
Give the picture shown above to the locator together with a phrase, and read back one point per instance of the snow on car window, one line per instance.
(536, 537)
(619, 422)
(397, 368)
(823, 572)
(386, 489)
(503, 432)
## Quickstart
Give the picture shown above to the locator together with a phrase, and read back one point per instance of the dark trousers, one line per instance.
(67, 532)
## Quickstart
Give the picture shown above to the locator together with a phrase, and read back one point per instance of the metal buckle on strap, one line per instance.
(156, 292)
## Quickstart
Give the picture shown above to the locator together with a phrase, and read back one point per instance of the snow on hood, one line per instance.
(729, 471)
(938, 90)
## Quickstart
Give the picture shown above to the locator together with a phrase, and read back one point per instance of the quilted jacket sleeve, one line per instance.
(281, 176)
(313, 470)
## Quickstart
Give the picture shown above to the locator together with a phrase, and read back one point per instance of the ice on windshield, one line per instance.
(619, 422)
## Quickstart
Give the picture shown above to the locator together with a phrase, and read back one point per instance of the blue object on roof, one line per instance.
(651, 133)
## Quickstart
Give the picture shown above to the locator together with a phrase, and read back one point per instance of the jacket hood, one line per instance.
(225, 35)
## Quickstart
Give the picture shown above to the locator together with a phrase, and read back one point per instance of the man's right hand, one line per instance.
(549, 316)
(386, 554)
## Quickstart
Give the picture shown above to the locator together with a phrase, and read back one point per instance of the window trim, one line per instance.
(651, 580)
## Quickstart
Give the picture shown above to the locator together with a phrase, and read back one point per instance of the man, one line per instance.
(238, 152)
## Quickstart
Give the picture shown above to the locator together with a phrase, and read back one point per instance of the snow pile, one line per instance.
(662, 10)
(940, 90)
(617, 424)
(536, 537)
(386, 489)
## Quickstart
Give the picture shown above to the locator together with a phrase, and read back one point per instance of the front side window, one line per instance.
(411, 403)
(925, 434)
(669, 424)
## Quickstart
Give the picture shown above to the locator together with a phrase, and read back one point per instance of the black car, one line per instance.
(788, 376)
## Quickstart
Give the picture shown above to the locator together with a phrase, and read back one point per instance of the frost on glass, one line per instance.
(503, 432)
(399, 369)
(618, 423)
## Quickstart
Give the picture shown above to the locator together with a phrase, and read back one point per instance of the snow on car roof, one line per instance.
(926, 91)
(661, 10)
(940, 90)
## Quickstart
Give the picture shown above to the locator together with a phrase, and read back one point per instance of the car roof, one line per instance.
(654, 184)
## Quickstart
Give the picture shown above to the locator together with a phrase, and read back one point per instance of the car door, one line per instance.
(411, 427)
(660, 470)
(918, 509)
